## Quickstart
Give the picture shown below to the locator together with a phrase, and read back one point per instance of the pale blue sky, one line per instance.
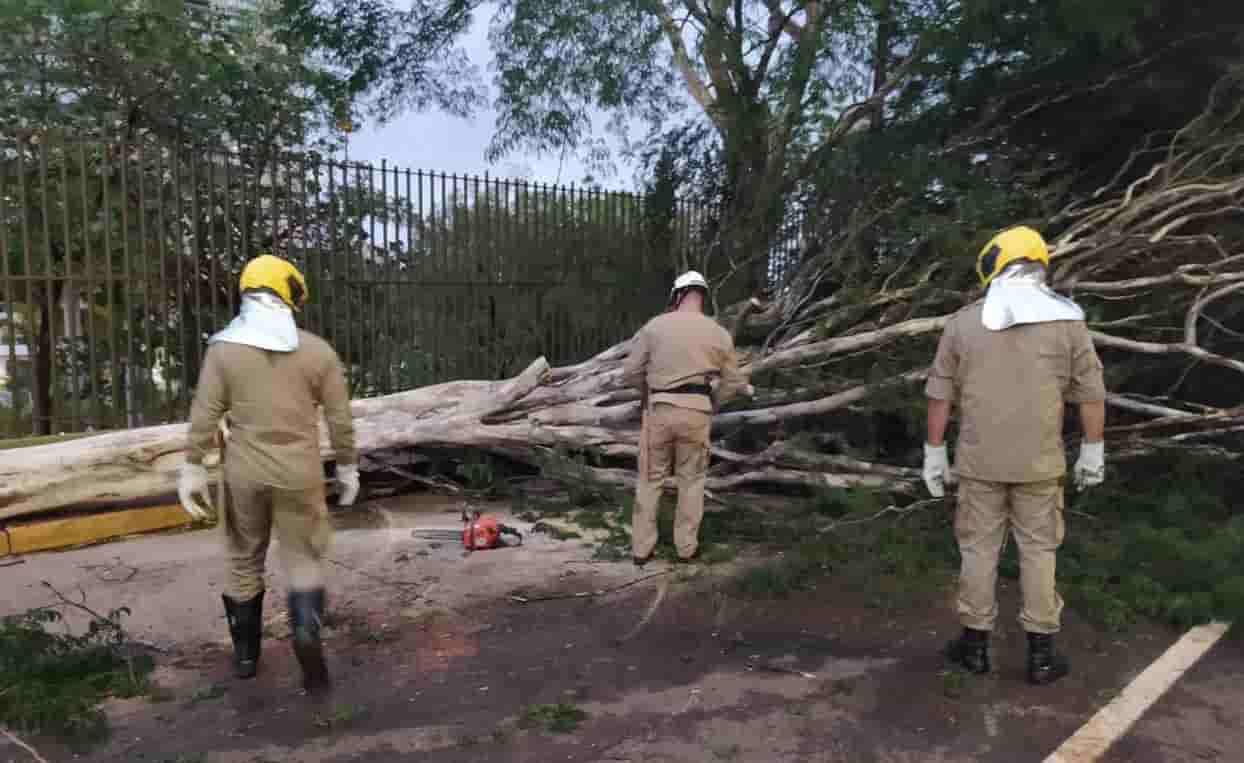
(435, 141)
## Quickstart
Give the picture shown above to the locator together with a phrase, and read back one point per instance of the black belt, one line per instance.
(686, 389)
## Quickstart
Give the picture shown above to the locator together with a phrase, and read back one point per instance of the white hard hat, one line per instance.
(689, 279)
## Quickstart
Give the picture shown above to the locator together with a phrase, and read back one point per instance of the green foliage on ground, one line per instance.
(52, 682)
(1159, 541)
(562, 718)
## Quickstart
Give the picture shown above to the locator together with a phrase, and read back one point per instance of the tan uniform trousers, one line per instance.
(300, 518)
(677, 437)
(1034, 514)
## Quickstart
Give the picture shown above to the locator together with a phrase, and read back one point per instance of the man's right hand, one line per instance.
(192, 491)
(1090, 469)
(937, 473)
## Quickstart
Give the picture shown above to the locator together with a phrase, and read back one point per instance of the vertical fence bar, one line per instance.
(535, 227)
(370, 328)
(10, 299)
(408, 355)
(185, 347)
(196, 260)
(286, 164)
(461, 254)
(315, 306)
(475, 314)
(330, 266)
(342, 271)
(345, 255)
(32, 348)
(272, 166)
(145, 249)
(401, 271)
(451, 278)
(73, 327)
(246, 168)
(352, 188)
(501, 308)
(162, 311)
(51, 417)
(230, 292)
(110, 280)
(383, 312)
(548, 229)
(213, 270)
(393, 272)
(429, 339)
(127, 276)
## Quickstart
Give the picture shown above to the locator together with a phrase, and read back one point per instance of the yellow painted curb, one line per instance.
(90, 528)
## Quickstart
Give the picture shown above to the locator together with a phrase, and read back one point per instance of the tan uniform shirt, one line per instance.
(678, 348)
(1011, 387)
(271, 399)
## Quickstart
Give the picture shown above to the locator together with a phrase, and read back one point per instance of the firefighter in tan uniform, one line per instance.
(675, 360)
(269, 379)
(1011, 362)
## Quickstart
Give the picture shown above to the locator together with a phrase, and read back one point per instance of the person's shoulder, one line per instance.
(970, 310)
(660, 321)
(315, 345)
(969, 314)
(722, 332)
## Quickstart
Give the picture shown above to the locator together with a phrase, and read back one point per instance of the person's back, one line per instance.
(1012, 386)
(687, 348)
(272, 400)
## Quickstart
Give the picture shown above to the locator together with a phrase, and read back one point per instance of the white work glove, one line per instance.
(1091, 468)
(937, 474)
(348, 478)
(192, 491)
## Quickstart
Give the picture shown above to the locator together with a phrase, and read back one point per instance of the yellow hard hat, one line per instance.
(1011, 245)
(273, 274)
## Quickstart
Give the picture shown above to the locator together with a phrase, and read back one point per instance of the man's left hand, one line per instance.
(348, 478)
(1091, 468)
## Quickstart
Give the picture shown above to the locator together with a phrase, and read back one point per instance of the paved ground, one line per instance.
(433, 656)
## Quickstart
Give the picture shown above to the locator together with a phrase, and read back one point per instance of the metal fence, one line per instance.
(117, 261)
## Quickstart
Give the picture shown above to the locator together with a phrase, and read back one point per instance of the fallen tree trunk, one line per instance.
(584, 407)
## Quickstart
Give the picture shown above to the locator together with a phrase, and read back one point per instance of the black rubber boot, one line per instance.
(306, 615)
(246, 627)
(1045, 664)
(970, 651)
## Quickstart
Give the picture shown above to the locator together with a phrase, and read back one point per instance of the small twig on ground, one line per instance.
(1086, 516)
(900, 512)
(15, 740)
(13, 563)
(771, 668)
(431, 482)
(643, 621)
(587, 594)
(149, 645)
(81, 606)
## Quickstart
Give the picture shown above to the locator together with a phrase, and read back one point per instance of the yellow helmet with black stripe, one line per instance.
(276, 276)
(1011, 245)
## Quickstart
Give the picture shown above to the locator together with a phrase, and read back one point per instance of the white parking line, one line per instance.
(1113, 721)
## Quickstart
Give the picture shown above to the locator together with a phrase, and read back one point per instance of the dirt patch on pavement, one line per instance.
(432, 657)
